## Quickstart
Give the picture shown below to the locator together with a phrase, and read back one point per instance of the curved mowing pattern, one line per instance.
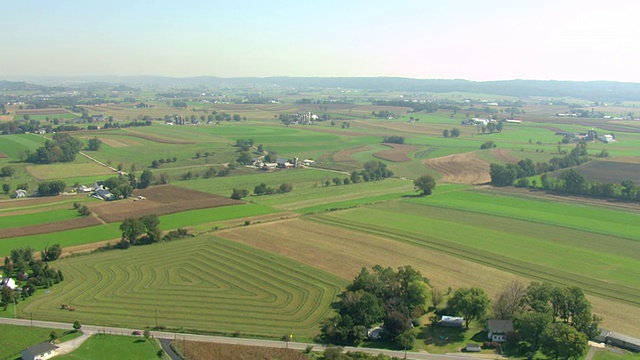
(205, 284)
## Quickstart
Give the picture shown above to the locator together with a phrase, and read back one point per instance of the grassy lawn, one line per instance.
(113, 347)
(606, 354)
(17, 338)
(201, 284)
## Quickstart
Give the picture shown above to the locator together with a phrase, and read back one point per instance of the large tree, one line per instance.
(425, 183)
(509, 300)
(472, 303)
(530, 325)
(562, 341)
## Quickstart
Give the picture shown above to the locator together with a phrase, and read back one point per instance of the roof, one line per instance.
(472, 347)
(621, 337)
(38, 349)
(500, 326)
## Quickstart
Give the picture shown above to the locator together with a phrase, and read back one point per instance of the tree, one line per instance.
(395, 323)
(530, 326)
(244, 158)
(503, 175)
(53, 335)
(238, 194)
(131, 229)
(51, 253)
(472, 303)
(7, 171)
(455, 132)
(285, 188)
(146, 178)
(425, 183)
(562, 341)
(406, 340)
(6, 188)
(94, 144)
(509, 300)
(445, 133)
(76, 325)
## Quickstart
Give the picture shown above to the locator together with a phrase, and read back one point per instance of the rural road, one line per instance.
(238, 341)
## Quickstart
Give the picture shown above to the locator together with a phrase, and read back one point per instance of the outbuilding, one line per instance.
(42, 351)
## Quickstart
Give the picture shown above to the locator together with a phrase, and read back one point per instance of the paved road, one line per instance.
(237, 341)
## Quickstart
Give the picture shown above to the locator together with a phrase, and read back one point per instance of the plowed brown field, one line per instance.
(345, 155)
(397, 153)
(160, 200)
(463, 168)
(50, 228)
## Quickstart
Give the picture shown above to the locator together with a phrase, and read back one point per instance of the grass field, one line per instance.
(599, 268)
(17, 338)
(606, 354)
(114, 347)
(202, 284)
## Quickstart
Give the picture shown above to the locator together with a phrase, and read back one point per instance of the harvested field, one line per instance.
(54, 171)
(3, 155)
(41, 111)
(50, 228)
(463, 168)
(345, 155)
(6, 117)
(157, 139)
(610, 171)
(118, 143)
(212, 351)
(503, 155)
(397, 153)
(344, 252)
(160, 200)
(29, 202)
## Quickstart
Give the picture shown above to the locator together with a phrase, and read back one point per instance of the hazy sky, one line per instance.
(465, 39)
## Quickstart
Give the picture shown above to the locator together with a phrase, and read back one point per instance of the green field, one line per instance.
(17, 338)
(113, 347)
(37, 218)
(203, 284)
(605, 265)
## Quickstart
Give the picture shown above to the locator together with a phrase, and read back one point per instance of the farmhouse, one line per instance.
(497, 330)
(42, 351)
(8, 282)
(452, 321)
(103, 195)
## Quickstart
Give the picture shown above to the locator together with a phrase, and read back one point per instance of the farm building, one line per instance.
(8, 282)
(42, 351)
(619, 340)
(497, 330)
(451, 321)
(472, 348)
(608, 138)
(103, 195)
(20, 193)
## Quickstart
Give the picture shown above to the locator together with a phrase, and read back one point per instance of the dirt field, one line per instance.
(157, 139)
(463, 168)
(397, 153)
(345, 155)
(50, 228)
(212, 351)
(160, 200)
(6, 117)
(41, 111)
(7, 204)
(503, 155)
(118, 143)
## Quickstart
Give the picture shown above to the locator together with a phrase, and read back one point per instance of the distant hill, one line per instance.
(608, 91)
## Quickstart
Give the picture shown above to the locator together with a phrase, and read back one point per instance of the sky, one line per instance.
(426, 39)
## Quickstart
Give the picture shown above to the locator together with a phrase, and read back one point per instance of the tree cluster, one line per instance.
(488, 145)
(62, 148)
(28, 273)
(263, 189)
(7, 171)
(51, 188)
(505, 175)
(382, 296)
(454, 133)
(157, 163)
(94, 144)
(375, 170)
(555, 319)
(140, 231)
(393, 139)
